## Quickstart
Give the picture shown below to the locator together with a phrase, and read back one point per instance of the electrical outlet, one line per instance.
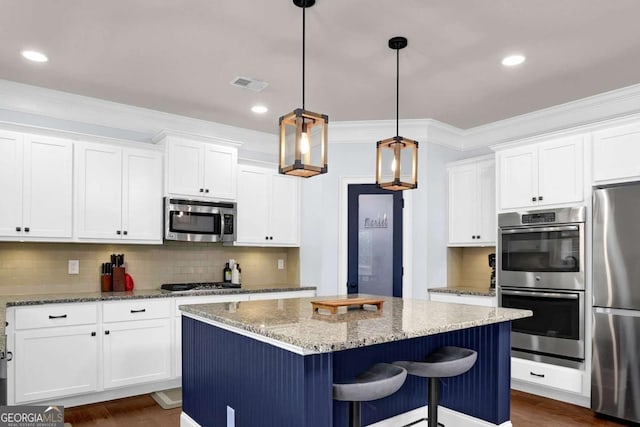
(74, 266)
(231, 417)
(280, 264)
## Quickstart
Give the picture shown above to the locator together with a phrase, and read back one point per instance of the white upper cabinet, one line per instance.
(201, 169)
(268, 208)
(119, 193)
(36, 180)
(472, 207)
(615, 154)
(542, 174)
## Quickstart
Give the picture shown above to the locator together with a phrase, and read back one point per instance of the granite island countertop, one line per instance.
(293, 322)
(483, 292)
(36, 299)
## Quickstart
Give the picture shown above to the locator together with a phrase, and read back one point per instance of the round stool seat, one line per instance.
(444, 362)
(381, 380)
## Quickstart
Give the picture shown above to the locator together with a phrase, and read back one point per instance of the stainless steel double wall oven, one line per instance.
(541, 267)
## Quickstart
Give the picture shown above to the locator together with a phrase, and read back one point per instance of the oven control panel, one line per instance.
(538, 218)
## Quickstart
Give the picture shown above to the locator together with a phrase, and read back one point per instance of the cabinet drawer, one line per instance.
(54, 315)
(207, 299)
(136, 309)
(543, 374)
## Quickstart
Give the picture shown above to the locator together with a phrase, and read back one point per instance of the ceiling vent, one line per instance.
(249, 83)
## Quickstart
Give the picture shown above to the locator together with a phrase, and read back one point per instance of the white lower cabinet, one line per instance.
(55, 362)
(544, 374)
(485, 301)
(136, 352)
(55, 351)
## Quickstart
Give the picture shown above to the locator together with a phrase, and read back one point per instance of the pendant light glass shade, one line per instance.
(303, 134)
(303, 143)
(397, 164)
(397, 157)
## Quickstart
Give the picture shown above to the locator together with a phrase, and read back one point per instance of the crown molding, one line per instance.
(583, 113)
(106, 119)
(112, 115)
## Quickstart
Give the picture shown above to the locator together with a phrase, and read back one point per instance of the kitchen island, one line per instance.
(269, 363)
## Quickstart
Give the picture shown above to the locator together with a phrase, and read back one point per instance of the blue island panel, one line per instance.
(265, 385)
(270, 386)
(482, 392)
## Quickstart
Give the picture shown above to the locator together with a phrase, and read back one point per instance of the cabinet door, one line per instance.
(220, 166)
(486, 207)
(141, 195)
(136, 352)
(185, 165)
(11, 153)
(253, 206)
(99, 183)
(560, 171)
(518, 177)
(462, 203)
(615, 154)
(55, 362)
(48, 187)
(285, 210)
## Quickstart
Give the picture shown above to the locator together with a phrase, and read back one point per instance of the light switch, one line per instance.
(280, 264)
(74, 266)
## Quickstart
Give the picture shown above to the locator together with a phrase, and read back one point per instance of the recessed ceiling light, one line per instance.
(34, 56)
(259, 109)
(512, 60)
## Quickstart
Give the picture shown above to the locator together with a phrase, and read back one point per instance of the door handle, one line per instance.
(352, 285)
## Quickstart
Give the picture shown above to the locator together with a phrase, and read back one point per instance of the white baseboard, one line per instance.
(187, 421)
(562, 396)
(446, 416)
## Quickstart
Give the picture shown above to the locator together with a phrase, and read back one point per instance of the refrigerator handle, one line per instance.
(616, 311)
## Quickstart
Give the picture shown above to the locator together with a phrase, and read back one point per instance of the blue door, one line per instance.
(374, 240)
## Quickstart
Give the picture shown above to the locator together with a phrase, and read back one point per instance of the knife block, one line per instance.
(118, 279)
(105, 283)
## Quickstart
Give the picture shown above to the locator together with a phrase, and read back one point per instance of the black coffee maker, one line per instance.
(492, 264)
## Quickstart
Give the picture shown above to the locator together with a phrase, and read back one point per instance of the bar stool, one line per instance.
(380, 380)
(444, 362)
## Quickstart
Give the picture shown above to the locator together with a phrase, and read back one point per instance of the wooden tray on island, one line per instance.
(333, 304)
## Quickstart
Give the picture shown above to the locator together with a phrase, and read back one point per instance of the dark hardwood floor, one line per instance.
(527, 410)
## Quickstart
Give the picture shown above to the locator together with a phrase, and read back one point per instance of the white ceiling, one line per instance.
(179, 56)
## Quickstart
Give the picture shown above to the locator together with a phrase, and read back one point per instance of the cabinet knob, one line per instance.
(540, 198)
(271, 238)
(478, 236)
(118, 232)
(266, 237)
(206, 190)
(106, 332)
(93, 334)
(533, 199)
(18, 228)
(26, 229)
(202, 190)
(473, 237)
(125, 232)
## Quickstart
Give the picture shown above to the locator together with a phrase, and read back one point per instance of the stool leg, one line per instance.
(355, 414)
(434, 391)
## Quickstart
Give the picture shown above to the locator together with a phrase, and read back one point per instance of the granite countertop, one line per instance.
(292, 322)
(483, 292)
(22, 300)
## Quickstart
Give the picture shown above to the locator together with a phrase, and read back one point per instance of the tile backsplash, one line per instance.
(37, 268)
(468, 267)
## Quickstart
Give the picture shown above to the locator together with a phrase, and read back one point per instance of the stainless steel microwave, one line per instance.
(199, 220)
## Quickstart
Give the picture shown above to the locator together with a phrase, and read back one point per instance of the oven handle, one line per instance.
(221, 226)
(541, 294)
(539, 229)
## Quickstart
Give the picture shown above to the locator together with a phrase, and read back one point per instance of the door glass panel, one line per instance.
(375, 244)
(194, 222)
(552, 317)
(552, 251)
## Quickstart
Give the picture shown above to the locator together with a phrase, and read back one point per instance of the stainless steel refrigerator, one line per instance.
(615, 373)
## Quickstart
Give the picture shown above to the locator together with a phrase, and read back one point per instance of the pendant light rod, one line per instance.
(397, 43)
(303, 4)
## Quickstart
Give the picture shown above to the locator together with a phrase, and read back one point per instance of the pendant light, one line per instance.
(397, 157)
(303, 134)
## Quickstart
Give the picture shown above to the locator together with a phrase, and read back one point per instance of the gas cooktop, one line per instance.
(199, 286)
